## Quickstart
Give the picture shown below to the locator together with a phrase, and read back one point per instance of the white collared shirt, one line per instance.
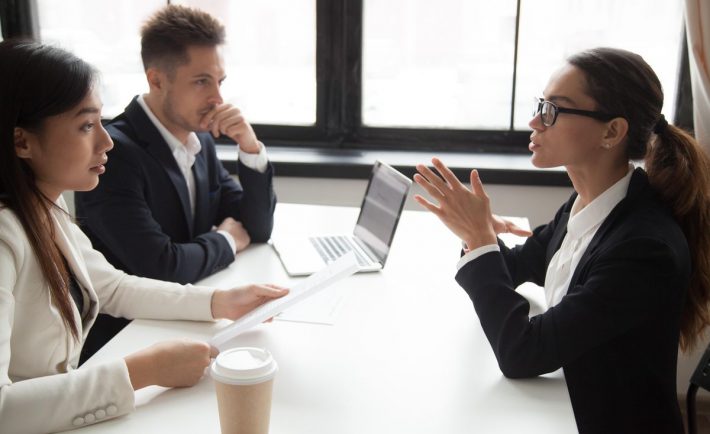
(184, 155)
(583, 223)
(581, 227)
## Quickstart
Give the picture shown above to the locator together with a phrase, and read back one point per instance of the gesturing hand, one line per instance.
(501, 226)
(466, 212)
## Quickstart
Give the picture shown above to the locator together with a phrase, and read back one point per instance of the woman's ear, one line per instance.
(23, 143)
(616, 131)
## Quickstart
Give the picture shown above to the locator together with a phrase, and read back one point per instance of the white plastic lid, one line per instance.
(244, 365)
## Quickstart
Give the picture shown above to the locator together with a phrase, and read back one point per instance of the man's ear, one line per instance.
(616, 131)
(156, 78)
(23, 143)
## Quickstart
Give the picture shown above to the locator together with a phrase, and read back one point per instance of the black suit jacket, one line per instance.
(139, 216)
(616, 331)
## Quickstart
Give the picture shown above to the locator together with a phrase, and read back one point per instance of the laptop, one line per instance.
(372, 237)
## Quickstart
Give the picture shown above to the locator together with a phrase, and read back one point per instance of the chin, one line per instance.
(539, 161)
(88, 186)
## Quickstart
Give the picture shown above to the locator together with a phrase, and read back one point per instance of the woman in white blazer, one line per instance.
(52, 282)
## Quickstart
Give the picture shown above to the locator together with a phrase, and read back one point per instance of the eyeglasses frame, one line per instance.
(598, 115)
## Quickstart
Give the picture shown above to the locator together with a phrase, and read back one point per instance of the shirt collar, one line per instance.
(597, 210)
(192, 146)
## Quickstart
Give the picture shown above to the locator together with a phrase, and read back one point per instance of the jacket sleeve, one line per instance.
(128, 296)
(624, 288)
(117, 214)
(527, 262)
(54, 402)
(253, 204)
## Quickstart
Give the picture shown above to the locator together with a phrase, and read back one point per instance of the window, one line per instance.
(443, 66)
(270, 57)
(109, 41)
(270, 67)
(455, 74)
(551, 30)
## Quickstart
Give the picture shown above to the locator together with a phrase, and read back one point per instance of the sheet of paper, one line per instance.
(337, 270)
(321, 308)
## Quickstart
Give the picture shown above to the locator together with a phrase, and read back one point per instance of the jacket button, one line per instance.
(90, 418)
(100, 413)
(78, 421)
(111, 410)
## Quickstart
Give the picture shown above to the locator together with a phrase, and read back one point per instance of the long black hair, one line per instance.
(37, 81)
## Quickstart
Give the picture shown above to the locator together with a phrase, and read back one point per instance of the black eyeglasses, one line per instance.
(549, 111)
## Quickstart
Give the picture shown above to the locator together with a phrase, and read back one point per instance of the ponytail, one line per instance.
(679, 170)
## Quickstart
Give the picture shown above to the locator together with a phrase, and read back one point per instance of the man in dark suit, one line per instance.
(166, 208)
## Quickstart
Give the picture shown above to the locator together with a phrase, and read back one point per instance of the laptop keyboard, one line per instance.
(331, 248)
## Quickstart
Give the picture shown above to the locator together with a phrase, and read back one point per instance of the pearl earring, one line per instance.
(607, 146)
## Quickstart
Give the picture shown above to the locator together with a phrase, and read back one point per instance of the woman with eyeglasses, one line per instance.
(52, 283)
(625, 263)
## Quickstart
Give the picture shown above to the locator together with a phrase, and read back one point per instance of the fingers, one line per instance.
(222, 119)
(516, 230)
(445, 181)
(426, 204)
(214, 351)
(221, 114)
(477, 185)
(207, 118)
(230, 122)
(428, 187)
(446, 173)
(269, 291)
(437, 186)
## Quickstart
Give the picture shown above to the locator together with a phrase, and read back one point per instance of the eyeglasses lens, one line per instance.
(547, 113)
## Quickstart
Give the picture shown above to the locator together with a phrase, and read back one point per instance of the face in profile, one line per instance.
(573, 140)
(68, 151)
(193, 89)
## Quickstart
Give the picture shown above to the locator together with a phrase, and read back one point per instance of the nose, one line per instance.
(536, 123)
(104, 142)
(216, 95)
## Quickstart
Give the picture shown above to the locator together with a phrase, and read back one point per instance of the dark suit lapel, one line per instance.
(557, 236)
(637, 187)
(202, 206)
(156, 146)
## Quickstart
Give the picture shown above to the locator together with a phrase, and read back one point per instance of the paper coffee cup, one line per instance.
(244, 378)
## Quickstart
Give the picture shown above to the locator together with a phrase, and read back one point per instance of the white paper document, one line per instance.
(337, 270)
(321, 308)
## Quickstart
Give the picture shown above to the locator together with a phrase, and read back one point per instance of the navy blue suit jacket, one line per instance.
(139, 216)
(616, 331)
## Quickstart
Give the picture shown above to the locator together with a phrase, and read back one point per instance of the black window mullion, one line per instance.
(18, 19)
(683, 116)
(352, 74)
(515, 66)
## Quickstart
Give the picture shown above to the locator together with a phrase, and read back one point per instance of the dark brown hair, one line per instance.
(678, 168)
(166, 36)
(37, 81)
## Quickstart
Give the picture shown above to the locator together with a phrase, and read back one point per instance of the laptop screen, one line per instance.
(381, 208)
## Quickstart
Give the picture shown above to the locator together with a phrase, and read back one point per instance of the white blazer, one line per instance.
(40, 388)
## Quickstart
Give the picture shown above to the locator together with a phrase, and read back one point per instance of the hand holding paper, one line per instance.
(339, 269)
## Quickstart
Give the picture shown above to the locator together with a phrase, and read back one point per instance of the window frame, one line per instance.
(338, 125)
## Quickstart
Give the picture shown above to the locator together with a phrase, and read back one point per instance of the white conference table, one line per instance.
(406, 353)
